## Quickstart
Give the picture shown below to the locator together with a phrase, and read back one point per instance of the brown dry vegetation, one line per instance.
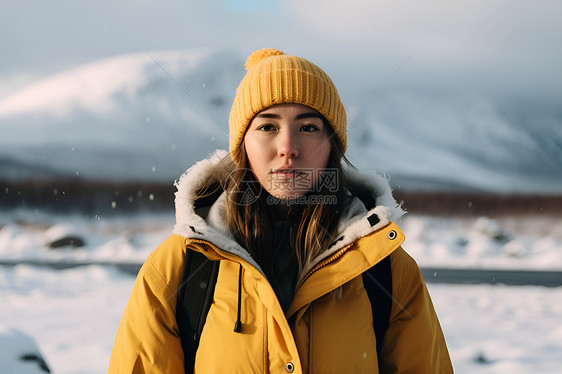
(479, 204)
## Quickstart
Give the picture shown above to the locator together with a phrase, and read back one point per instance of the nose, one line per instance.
(287, 145)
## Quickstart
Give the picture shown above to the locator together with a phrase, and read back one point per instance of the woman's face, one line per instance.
(288, 147)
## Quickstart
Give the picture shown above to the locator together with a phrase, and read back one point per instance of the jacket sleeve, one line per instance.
(414, 341)
(148, 339)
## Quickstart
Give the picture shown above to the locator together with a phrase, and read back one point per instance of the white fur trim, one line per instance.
(191, 225)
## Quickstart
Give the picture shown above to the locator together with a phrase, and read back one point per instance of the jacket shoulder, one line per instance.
(163, 267)
(403, 266)
(166, 260)
(148, 335)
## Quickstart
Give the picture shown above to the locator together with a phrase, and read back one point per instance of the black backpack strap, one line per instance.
(378, 284)
(195, 296)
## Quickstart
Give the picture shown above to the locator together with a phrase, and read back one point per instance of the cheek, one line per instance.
(255, 157)
(323, 151)
(252, 149)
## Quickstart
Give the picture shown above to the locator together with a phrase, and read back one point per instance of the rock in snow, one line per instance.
(19, 353)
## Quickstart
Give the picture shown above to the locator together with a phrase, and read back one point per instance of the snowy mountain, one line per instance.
(149, 116)
(135, 117)
(461, 142)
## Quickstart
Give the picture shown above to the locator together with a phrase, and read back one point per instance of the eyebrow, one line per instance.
(300, 116)
(267, 115)
(310, 115)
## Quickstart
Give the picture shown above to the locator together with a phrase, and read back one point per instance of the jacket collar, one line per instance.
(356, 220)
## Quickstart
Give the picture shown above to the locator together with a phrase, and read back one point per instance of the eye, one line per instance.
(266, 128)
(309, 128)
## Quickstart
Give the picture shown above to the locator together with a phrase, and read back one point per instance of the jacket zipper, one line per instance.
(326, 262)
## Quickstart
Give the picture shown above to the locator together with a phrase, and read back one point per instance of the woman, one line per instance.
(295, 236)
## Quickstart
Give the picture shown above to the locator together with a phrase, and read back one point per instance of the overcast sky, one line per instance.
(501, 47)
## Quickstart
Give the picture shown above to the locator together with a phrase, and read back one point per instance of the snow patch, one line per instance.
(19, 353)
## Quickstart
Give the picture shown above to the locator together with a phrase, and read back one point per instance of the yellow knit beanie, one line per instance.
(272, 78)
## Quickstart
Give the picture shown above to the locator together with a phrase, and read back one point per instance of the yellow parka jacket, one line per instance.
(322, 332)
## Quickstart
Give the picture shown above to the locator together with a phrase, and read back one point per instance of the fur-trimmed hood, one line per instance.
(356, 220)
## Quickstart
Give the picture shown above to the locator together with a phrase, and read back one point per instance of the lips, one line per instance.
(287, 172)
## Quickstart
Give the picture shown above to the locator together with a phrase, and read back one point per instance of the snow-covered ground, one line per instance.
(501, 329)
(520, 243)
(73, 314)
(25, 236)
